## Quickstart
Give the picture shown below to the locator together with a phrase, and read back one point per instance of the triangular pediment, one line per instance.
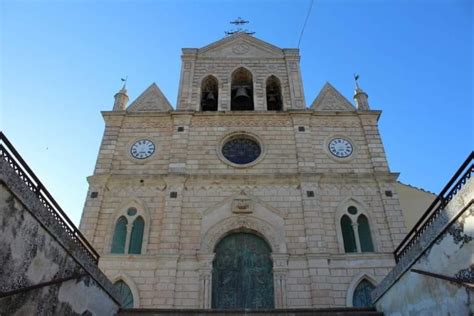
(240, 45)
(329, 99)
(152, 99)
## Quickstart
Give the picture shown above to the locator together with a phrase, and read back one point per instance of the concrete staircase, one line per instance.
(343, 311)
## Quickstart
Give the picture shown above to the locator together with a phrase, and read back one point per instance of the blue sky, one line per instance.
(61, 63)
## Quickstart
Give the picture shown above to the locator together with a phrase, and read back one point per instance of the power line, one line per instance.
(305, 21)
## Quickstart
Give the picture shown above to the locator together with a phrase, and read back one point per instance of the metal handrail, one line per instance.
(449, 191)
(16, 162)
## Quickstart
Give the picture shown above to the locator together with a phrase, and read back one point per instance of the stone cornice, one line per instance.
(296, 178)
(291, 112)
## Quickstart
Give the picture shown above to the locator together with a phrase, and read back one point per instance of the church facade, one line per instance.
(243, 196)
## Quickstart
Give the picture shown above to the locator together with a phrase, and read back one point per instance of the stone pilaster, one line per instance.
(205, 279)
(280, 271)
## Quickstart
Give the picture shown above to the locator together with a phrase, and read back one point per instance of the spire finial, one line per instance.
(124, 80)
(121, 97)
(356, 79)
(360, 97)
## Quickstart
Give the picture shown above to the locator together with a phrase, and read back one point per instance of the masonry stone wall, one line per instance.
(293, 195)
(172, 268)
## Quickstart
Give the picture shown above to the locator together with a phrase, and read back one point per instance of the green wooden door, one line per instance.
(242, 274)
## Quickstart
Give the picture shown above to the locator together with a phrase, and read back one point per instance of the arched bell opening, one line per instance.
(242, 273)
(273, 93)
(242, 90)
(209, 94)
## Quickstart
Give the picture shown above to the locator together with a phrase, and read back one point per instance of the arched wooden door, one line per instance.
(242, 274)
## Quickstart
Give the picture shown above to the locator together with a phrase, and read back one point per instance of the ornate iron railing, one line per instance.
(9, 154)
(454, 185)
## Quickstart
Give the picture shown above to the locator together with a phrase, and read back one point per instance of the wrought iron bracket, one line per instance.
(42, 284)
(444, 277)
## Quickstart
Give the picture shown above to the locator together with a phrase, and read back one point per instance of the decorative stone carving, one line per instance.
(242, 204)
(240, 48)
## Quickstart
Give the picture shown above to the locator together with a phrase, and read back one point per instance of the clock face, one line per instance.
(142, 149)
(340, 147)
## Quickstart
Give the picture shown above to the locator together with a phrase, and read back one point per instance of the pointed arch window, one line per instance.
(365, 238)
(209, 94)
(361, 296)
(128, 238)
(273, 94)
(348, 234)
(120, 235)
(136, 237)
(242, 90)
(355, 231)
(125, 294)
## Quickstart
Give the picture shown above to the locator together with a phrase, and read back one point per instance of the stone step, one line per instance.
(343, 311)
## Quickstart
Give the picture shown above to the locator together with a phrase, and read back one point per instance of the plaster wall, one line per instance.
(451, 254)
(414, 202)
(29, 256)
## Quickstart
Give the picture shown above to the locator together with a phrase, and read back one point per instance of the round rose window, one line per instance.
(241, 150)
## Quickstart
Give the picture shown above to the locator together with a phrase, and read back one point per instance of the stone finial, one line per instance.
(121, 99)
(360, 97)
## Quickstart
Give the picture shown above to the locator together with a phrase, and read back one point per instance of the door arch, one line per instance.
(242, 273)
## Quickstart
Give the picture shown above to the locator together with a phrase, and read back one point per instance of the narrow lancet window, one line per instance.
(365, 238)
(348, 234)
(273, 93)
(209, 94)
(120, 236)
(136, 237)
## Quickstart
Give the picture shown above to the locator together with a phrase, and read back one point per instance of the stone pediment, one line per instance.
(152, 99)
(329, 99)
(240, 45)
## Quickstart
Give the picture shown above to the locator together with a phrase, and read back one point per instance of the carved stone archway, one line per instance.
(257, 226)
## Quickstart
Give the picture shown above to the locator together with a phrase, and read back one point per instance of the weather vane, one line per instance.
(239, 22)
(124, 80)
(356, 78)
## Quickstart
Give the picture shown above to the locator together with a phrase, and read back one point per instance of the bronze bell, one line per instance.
(210, 96)
(241, 93)
(272, 98)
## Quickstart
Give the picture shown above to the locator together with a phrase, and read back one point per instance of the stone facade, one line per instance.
(293, 196)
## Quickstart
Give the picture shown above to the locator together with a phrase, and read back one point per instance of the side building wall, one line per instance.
(36, 250)
(445, 248)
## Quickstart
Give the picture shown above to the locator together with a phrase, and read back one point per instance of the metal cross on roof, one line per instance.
(239, 21)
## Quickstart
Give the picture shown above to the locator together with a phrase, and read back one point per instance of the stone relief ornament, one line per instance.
(271, 67)
(240, 49)
(242, 204)
(211, 67)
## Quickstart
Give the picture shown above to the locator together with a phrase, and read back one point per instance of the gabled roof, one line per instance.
(329, 99)
(240, 44)
(152, 99)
